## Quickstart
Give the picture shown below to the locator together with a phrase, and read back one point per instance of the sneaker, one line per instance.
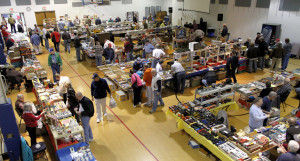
(105, 114)
(91, 140)
(98, 120)
(140, 103)
(151, 111)
(134, 106)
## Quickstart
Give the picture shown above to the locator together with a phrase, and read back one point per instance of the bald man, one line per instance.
(86, 111)
(293, 131)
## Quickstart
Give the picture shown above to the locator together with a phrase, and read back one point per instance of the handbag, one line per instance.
(134, 85)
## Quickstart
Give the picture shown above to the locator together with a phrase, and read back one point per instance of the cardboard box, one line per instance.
(111, 85)
(221, 75)
(121, 96)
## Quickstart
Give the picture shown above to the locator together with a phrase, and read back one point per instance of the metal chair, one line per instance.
(283, 98)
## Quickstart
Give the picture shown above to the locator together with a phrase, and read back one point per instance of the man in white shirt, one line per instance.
(159, 66)
(113, 46)
(157, 54)
(45, 38)
(156, 86)
(179, 76)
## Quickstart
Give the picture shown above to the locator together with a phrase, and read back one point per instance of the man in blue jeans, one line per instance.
(85, 111)
(287, 47)
(156, 88)
(54, 61)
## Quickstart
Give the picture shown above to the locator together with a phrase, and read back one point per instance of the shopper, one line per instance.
(148, 80)
(291, 155)
(118, 19)
(61, 25)
(148, 48)
(156, 40)
(85, 111)
(19, 104)
(67, 40)
(98, 53)
(98, 21)
(293, 132)
(263, 49)
(287, 54)
(137, 65)
(31, 121)
(9, 42)
(248, 42)
(156, 86)
(12, 23)
(35, 41)
(77, 46)
(159, 66)
(4, 32)
(179, 76)
(99, 90)
(20, 27)
(252, 55)
(231, 66)
(257, 39)
(77, 21)
(37, 30)
(266, 91)
(109, 54)
(157, 54)
(267, 104)
(55, 62)
(72, 102)
(55, 37)
(210, 77)
(137, 86)
(224, 33)
(256, 115)
(61, 81)
(128, 49)
(285, 89)
(46, 36)
(276, 55)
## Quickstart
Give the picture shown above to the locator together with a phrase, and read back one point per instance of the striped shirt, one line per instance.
(98, 50)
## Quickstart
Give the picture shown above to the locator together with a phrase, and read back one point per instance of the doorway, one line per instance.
(40, 16)
(18, 16)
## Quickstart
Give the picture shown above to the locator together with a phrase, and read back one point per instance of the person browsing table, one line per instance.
(157, 54)
(256, 115)
(179, 76)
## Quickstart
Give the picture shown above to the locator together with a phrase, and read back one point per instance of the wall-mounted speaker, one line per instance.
(220, 17)
(170, 10)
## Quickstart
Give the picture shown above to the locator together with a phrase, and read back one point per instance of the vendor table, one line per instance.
(64, 153)
(201, 139)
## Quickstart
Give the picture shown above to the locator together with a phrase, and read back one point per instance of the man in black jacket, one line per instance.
(77, 46)
(263, 49)
(72, 102)
(86, 111)
(231, 65)
(99, 89)
(252, 55)
(67, 40)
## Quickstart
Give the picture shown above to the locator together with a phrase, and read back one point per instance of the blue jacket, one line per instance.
(99, 89)
(26, 150)
(109, 54)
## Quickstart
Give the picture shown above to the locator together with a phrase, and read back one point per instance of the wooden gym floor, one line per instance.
(132, 134)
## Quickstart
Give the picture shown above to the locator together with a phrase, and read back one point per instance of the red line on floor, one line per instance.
(114, 113)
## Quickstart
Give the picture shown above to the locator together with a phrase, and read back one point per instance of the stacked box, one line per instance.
(16, 61)
(121, 96)
(195, 81)
(111, 85)
(221, 75)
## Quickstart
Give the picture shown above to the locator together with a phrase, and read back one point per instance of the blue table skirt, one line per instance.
(64, 153)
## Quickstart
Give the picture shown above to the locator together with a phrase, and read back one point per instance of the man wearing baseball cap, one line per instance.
(99, 89)
(54, 61)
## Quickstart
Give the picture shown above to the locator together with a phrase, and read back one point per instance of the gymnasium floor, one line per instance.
(132, 134)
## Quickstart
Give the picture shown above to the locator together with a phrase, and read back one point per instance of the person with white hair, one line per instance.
(85, 111)
(291, 155)
(256, 115)
(19, 104)
(293, 132)
(31, 121)
(285, 88)
(156, 86)
(267, 104)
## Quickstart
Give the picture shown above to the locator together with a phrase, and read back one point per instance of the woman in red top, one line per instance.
(4, 32)
(137, 86)
(31, 121)
(55, 39)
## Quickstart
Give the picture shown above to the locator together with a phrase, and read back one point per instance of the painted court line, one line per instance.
(114, 114)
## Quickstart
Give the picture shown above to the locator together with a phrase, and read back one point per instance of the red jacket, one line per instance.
(128, 47)
(57, 36)
(31, 120)
(4, 33)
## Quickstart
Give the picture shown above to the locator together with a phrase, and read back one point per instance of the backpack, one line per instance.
(53, 38)
(48, 35)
